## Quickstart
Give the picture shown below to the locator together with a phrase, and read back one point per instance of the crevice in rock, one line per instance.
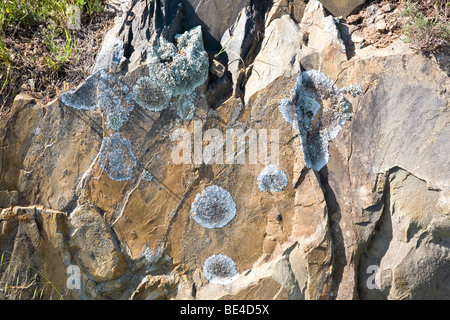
(253, 39)
(302, 176)
(383, 231)
(334, 216)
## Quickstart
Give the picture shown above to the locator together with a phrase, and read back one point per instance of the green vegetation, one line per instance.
(38, 40)
(427, 24)
(53, 15)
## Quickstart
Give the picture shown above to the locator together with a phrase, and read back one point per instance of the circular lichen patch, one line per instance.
(214, 207)
(220, 269)
(272, 179)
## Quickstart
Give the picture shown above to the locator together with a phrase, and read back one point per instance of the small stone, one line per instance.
(388, 7)
(217, 69)
(372, 9)
(381, 26)
(357, 37)
(380, 17)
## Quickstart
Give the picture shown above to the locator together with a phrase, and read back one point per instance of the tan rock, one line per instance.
(280, 55)
(93, 245)
(342, 7)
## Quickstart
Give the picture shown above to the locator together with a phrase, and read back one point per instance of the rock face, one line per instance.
(133, 187)
(342, 7)
(215, 16)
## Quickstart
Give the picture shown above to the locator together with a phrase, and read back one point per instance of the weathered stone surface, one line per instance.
(280, 55)
(342, 7)
(33, 246)
(323, 39)
(288, 46)
(358, 171)
(93, 244)
(115, 201)
(215, 16)
(412, 240)
(241, 43)
(293, 8)
(47, 149)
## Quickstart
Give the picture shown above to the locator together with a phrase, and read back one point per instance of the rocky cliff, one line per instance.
(233, 150)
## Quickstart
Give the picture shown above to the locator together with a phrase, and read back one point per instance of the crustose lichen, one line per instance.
(317, 126)
(116, 158)
(213, 207)
(272, 179)
(115, 100)
(220, 269)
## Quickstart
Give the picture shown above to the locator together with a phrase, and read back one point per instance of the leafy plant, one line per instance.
(5, 61)
(427, 24)
(93, 6)
(59, 54)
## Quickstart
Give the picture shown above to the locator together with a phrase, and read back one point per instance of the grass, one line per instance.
(54, 15)
(39, 44)
(427, 24)
(20, 280)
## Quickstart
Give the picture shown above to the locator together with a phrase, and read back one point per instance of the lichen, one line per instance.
(151, 94)
(116, 158)
(114, 98)
(214, 207)
(85, 96)
(107, 91)
(271, 179)
(220, 269)
(304, 110)
(147, 176)
(354, 90)
(174, 73)
(111, 56)
(186, 108)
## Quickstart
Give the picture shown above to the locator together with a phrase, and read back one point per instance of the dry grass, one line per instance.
(21, 279)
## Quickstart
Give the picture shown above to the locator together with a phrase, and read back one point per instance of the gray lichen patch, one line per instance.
(147, 176)
(114, 98)
(214, 207)
(305, 111)
(111, 56)
(107, 91)
(85, 96)
(220, 269)
(174, 72)
(186, 107)
(116, 158)
(272, 179)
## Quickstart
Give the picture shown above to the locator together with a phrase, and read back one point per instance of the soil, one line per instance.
(30, 74)
(368, 23)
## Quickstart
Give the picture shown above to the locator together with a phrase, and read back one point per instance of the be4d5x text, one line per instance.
(246, 309)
